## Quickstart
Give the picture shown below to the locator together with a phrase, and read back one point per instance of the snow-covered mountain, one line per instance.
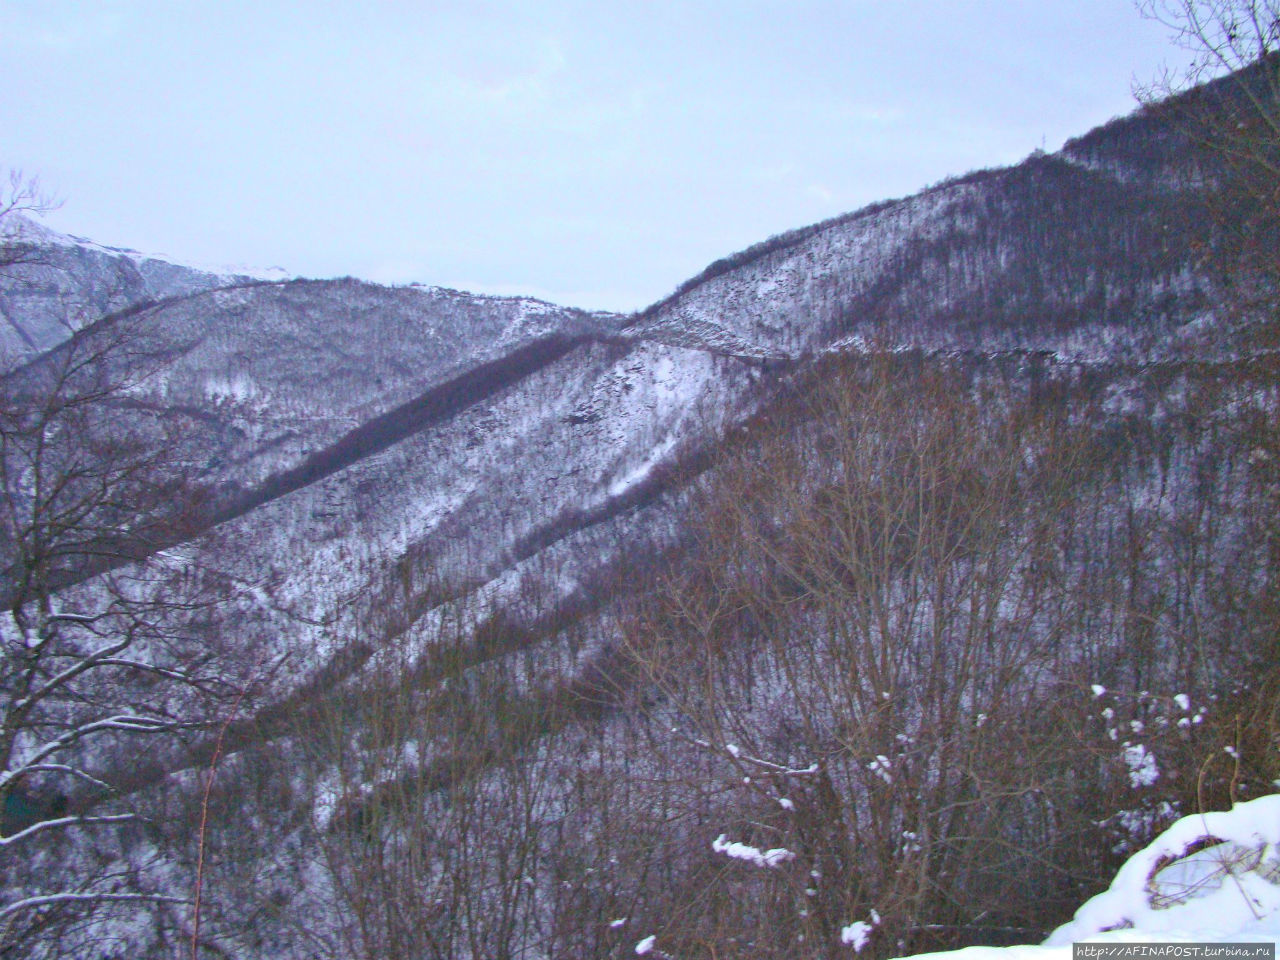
(366, 465)
(62, 283)
(516, 414)
(343, 429)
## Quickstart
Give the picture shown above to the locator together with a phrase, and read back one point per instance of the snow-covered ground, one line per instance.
(1209, 878)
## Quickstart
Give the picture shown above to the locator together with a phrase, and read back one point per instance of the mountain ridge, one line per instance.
(280, 381)
(472, 503)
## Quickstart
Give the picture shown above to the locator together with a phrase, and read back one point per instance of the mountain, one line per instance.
(460, 508)
(286, 383)
(60, 283)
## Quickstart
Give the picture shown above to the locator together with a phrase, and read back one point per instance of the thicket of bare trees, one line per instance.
(1237, 121)
(108, 656)
(889, 634)
(936, 651)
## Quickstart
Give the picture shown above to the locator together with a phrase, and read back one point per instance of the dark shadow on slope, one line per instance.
(207, 509)
(433, 407)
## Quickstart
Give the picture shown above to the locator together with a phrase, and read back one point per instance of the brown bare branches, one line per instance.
(101, 661)
(1234, 117)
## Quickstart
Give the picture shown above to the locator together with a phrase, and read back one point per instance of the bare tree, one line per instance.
(21, 195)
(1236, 120)
(434, 796)
(102, 654)
(1223, 36)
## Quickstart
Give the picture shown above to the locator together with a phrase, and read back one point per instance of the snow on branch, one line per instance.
(742, 851)
(121, 722)
(858, 933)
(82, 665)
(64, 822)
(733, 750)
(67, 769)
(648, 947)
(32, 903)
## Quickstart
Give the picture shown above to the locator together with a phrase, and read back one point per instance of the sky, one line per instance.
(593, 153)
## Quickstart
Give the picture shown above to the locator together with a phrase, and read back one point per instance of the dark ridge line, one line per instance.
(428, 409)
(441, 403)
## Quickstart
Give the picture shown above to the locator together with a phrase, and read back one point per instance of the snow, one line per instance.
(741, 851)
(639, 473)
(44, 234)
(1143, 771)
(1211, 877)
(857, 933)
(1248, 905)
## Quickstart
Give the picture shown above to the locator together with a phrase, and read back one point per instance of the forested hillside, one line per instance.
(881, 589)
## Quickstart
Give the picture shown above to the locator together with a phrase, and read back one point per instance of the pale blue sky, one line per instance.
(592, 153)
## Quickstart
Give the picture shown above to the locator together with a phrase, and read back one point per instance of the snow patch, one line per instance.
(1143, 771)
(741, 851)
(857, 933)
(1142, 896)
(1209, 878)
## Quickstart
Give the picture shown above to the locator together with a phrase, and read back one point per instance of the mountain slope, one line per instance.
(63, 283)
(481, 493)
(289, 386)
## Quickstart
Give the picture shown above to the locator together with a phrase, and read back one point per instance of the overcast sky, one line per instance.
(593, 153)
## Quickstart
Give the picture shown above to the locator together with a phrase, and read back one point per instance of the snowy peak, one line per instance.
(62, 283)
(27, 230)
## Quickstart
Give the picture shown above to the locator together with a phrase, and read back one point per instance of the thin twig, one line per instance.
(204, 816)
